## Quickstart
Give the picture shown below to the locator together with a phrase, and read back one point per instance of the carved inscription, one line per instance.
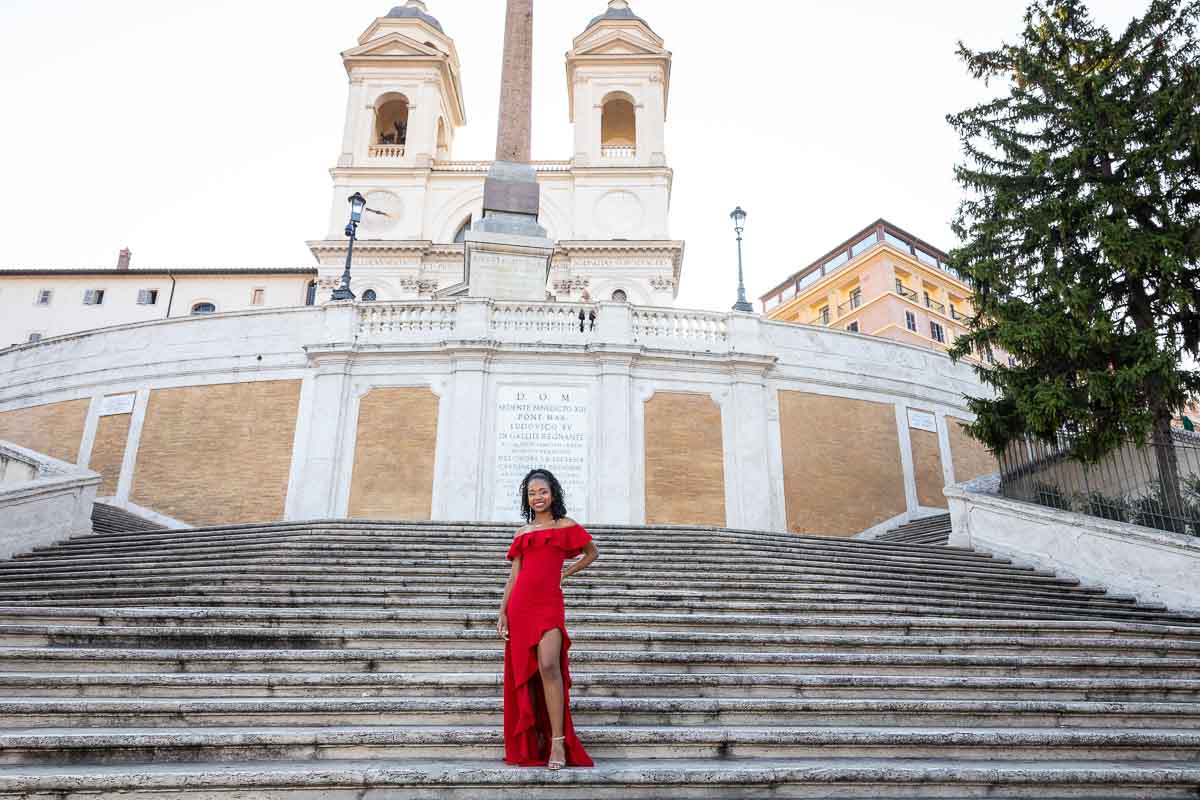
(544, 427)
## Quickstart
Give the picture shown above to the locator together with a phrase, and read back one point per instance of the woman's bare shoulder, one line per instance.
(567, 522)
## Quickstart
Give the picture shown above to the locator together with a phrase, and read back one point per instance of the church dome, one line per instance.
(617, 9)
(415, 9)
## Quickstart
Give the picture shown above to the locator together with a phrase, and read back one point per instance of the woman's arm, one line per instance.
(590, 554)
(502, 622)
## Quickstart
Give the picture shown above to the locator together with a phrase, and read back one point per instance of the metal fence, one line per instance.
(1156, 486)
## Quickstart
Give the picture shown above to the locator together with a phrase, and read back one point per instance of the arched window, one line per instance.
(460, 235)
(391, 119)
(618, 127)
(204, 308)
(619, 296)
(369, 296)
(310, 294)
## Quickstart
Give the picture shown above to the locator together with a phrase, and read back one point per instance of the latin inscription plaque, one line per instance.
(541, 427)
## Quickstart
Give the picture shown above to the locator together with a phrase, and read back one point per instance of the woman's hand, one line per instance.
(502, 626)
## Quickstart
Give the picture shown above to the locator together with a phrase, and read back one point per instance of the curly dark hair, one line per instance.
(558, 505)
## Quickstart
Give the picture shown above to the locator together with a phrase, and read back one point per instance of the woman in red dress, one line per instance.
(537, 715)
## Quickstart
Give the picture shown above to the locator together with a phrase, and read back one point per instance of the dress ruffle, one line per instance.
(571, 539)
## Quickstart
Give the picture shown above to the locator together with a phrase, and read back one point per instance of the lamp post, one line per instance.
(739, 224)
(357, 204)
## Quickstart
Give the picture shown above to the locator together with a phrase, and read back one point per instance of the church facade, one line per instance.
(605, 207)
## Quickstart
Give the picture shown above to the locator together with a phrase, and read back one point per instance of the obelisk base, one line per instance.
(507, 253)
(506, 267)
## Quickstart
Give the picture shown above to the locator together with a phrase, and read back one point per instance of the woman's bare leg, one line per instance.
(549, 651)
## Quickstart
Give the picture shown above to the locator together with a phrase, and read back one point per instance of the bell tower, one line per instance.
(405, 92)
(618, 84)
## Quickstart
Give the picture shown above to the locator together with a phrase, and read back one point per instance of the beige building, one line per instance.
(882, 281)
(42, 303)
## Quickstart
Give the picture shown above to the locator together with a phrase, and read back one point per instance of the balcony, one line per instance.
(958, 316)
(618, 151)
(854, 302)
(821, 319)
(935, 305)
(905, 292)
(385, 151)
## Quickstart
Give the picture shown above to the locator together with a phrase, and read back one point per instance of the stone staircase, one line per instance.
(359, 660)
(930, 530)
(110, 519)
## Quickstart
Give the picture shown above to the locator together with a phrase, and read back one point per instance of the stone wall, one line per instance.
(394, 454)
(218, 454)
(53, 429)
(689, 417)
(685, 473)
(841, 463)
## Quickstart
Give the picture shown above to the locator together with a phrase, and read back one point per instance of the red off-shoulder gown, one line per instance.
(536, 606)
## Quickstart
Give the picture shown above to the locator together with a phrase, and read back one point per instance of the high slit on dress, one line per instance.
(535, 607)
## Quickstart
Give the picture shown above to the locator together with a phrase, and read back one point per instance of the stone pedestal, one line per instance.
(507, 252)
(507, 267)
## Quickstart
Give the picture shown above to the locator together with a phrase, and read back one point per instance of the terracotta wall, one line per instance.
(55, 430)
(685, 460)
(212, 455)
(394, 455)
(927, 468)
(841, 464)
(971, 458)
(108, 452)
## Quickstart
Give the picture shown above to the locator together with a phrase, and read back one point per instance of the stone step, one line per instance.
(110, 519)
(623, 779)
(433, 562)
(296, 637)
(369, 619)
(582, 588)
(134, 745)
(600, 580)
(50, 712)
(145, 659)
(244, 597)
(597, 684)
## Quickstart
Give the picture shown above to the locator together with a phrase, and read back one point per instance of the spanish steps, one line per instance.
(360, 660)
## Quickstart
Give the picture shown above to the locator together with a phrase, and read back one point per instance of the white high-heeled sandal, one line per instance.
(557, 765)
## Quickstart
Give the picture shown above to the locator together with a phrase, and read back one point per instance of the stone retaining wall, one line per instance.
(274, 414)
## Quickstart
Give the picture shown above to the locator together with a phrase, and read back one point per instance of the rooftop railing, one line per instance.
(881, 232)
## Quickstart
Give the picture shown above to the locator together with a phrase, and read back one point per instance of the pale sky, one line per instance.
(201, 134)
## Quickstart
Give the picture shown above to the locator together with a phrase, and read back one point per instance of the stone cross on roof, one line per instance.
(513, 137)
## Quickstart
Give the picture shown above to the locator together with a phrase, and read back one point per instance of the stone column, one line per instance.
(513, 138)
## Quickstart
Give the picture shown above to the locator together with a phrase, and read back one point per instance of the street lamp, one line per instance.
(739, 224)
(357, 204)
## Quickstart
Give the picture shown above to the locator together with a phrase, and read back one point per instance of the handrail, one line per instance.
(904, 291)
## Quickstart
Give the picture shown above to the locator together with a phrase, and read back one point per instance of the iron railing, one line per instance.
(904, 291)
(1157, 486)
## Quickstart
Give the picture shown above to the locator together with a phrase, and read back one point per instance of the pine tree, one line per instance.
(1081, 229)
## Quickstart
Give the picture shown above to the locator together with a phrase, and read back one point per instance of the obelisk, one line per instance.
(507, 253)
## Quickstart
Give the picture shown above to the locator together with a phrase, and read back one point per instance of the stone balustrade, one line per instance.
(616, 151)
(416, 322)
(386, 151)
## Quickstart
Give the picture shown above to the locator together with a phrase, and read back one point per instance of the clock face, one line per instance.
(389, 207)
